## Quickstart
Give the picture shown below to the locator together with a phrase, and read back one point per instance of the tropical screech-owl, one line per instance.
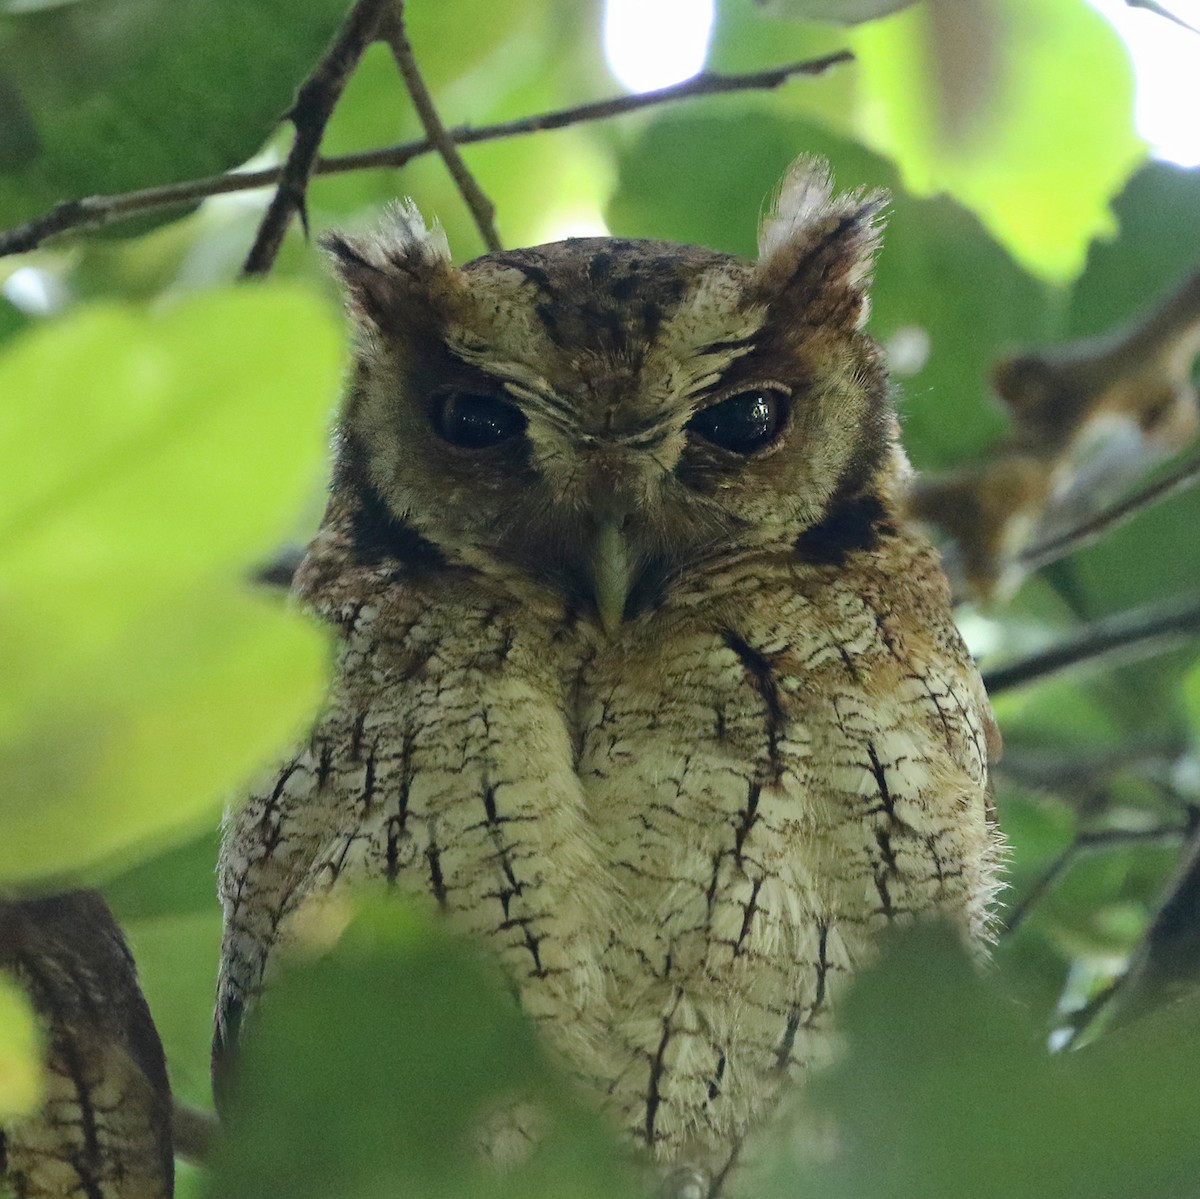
(643, 680)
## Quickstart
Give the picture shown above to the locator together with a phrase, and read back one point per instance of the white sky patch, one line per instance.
(1166, 59)
(34, 291)
(581, 222)
(654, 43)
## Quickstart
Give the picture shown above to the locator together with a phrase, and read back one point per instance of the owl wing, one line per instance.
(104, 1127)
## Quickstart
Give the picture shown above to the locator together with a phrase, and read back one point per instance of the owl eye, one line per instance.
(475, 422)
(745, 422)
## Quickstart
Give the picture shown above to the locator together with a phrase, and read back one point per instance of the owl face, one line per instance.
(605, 415)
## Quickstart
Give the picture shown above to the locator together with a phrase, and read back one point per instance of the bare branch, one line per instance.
(1071, 772)
(194, 1131)
(93, 212)
(1083, 844)
(1185, 475)
(482, 209)
(1166, 963)
(1161, 11)
(1145, 631)
(314, 104)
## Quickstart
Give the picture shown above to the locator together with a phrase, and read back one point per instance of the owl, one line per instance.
(643, 681)
(103, 1129)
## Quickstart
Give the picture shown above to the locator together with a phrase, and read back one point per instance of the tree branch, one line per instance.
(1084, 843)
(1165, 966)
(483, 211)
(1185, 475)
(1071, 772)
(1142, 632)
(1160, 11)
(314, 104)
(194, 1132)
(93, 212)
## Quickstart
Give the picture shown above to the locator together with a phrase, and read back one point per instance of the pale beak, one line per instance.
(610, 574)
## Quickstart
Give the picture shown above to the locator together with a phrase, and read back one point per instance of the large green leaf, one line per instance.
(1142, 263)
(148, 462)
(369, 1070)
(1020, 109)
(110, 95)
(948, 1089)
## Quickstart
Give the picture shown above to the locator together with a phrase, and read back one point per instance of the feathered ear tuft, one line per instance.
(815, 240)
(380, 271)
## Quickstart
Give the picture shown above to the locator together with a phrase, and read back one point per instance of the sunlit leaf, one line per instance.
(842, 12)
(148, 465)
(20, 1053)
(1051, 137)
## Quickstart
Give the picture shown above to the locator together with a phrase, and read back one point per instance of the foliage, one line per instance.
(947, 1089)
(20, 1053)
(161, 435)
(149, 468)
(382, 1111)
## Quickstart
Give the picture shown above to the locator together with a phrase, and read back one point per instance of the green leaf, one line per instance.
(368, 1071)
(842, 12)
(1142, 263)
(148, 464)
(1020, 109)
(110, 95)
(21, 1053)
(179, 881)
(177, 960)
(948, 1088)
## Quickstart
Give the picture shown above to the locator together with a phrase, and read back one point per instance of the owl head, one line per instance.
(606, 417)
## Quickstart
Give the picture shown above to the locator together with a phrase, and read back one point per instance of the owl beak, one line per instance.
(610, 574)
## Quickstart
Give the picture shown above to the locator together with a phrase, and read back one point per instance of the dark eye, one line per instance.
(474, 422)
(745, 422)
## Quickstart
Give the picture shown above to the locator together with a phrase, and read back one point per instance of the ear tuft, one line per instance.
(815, 236)
(379, 271)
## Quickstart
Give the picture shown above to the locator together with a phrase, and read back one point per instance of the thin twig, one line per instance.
(1185, 475)
(1165, 964)
(483, 211)
(314, 104)
(1168, 957)
(1072, 771)
(1161, 11)
(1084, 843)
(193, 1132)
(93, 212)
(1142, 632)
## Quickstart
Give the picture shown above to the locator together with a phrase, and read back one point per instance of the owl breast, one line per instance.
(680, 840)
(765, 803)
